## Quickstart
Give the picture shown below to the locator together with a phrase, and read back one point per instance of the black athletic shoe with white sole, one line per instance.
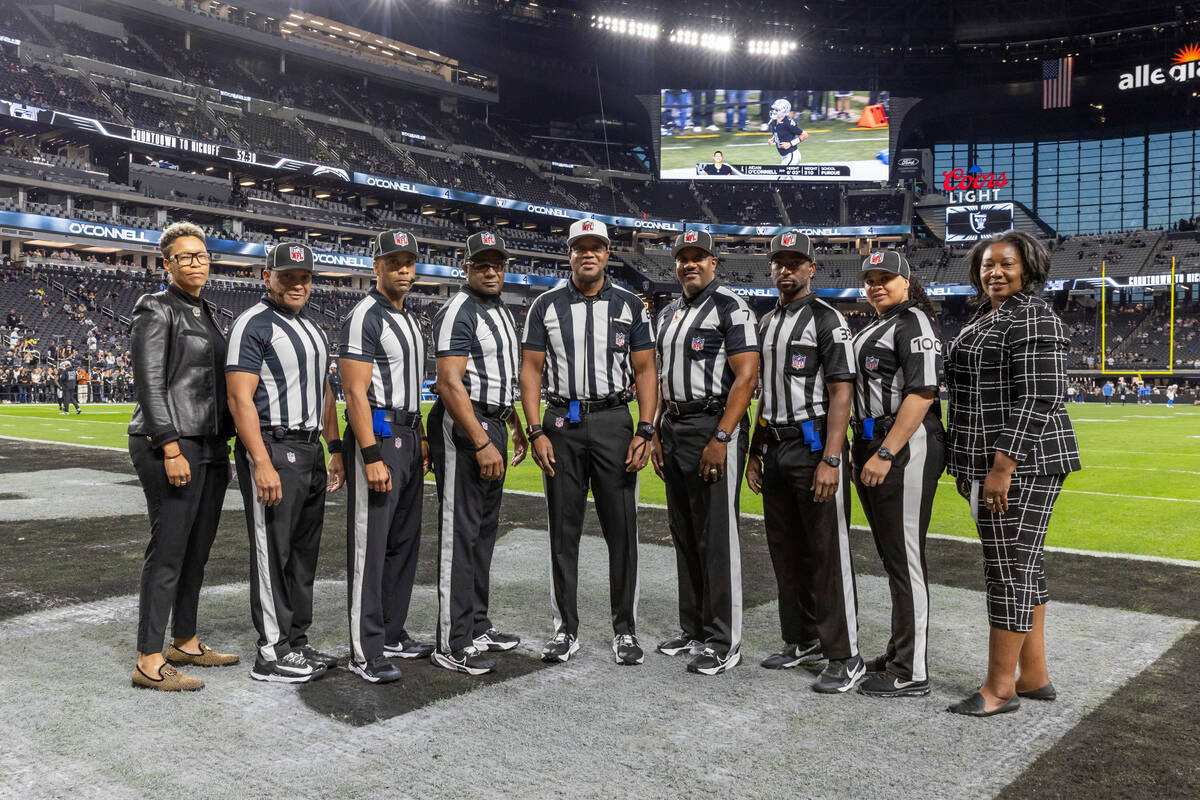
(679, 645)
(495, 641)
(292, 668)
(317, 657)
(409, 648)
(468, 661)
(377, 670)
(560, 648)
(710, 662)
(885, 684)
(840, 676)
(626, 650)
(793, 655)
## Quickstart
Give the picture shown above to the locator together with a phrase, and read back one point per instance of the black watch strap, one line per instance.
(885, 454)
(645, 430)
(833, 461)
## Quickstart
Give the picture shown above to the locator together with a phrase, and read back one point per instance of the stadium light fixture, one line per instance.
(772, 48)
(717, 42)
(625, 26)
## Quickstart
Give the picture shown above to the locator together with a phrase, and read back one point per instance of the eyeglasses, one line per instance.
(187, 259)
(484, 266)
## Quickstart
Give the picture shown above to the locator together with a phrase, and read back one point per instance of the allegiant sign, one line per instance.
(1185, 67)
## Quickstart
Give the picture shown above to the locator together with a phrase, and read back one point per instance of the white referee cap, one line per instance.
(588, 227)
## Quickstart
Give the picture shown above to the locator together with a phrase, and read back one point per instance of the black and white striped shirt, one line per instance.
(290, 356)
(390, 339)
(480, 328)
(804, 345)
(696, 337)
(896, 355)
(587, 340)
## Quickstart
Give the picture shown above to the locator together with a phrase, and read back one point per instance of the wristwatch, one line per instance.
(721, 436)
(833, 461)
(645, 430)
(885, 454)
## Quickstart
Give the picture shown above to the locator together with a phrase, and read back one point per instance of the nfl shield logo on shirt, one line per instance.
(798, 361)
(697, 343)
(401, 239)
(487, 238)
(872, 362)
(291, 457)
(620, 339)
(296, 253)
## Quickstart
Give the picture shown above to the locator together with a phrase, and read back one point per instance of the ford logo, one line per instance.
(908, 162)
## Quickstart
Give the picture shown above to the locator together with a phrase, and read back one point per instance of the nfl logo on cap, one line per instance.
(798, 361)
(876, 258)
(691, 236)
(487, 238)
(401, 239)
(296, 253)
(788, 239)
(588, 225)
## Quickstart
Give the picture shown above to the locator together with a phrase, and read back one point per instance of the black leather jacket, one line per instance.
(178, 378)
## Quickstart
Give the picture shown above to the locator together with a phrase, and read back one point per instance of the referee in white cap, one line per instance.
(476, 347)
(587, 344)
(275, 374)
(386, 457)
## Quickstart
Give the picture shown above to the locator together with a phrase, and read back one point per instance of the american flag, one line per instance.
(1056, 82)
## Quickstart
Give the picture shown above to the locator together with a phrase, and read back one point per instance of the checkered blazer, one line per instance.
(1007, 376)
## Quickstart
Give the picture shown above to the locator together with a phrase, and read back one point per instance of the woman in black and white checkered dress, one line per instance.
(1010, 444)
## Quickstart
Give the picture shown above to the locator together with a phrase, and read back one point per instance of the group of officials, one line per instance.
(588, 350)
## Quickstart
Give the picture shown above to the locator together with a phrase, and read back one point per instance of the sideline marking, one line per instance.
(1182, 562)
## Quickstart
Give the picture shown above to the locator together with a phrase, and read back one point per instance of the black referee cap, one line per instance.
(791, 242)
(393, 241)
(290, 255)
(482, 242)
(701, 239)
(886, 260)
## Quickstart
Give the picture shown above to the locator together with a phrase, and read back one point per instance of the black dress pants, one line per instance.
(183, 525)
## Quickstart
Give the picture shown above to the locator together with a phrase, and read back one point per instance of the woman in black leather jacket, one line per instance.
(178, 441)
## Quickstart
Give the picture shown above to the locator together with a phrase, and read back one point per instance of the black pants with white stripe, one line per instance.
(468, 521)
(183, 526)
(591, 454)
(810, 550)
(284, 543)
(383, 533)
(703, 517)
(898, 511)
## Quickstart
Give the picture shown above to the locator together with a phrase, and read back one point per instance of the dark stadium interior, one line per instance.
(520, 117)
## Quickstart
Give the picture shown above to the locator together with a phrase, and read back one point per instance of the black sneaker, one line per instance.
(878, 663)
(408, 648)
(292, 668)
(495, 641)
(377, 670)
(317, 657)
(626, 650)
(468, 660)
(560, 648)
(840, 676)
(680, 644)
(885, 684)
(710, 662)
(793, 655)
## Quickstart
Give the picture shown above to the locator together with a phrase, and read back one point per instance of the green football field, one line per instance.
(1136, 493)
(829, 141)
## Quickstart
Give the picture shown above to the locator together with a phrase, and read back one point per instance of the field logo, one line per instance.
(1185, 66)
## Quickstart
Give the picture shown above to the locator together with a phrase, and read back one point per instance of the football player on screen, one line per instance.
(786, 133)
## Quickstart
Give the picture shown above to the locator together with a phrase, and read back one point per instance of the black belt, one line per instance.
(882, 426)
(783, 433)
(405, 419)
(612, 401)
(282, 434)
(501, 413)
(705, 405)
